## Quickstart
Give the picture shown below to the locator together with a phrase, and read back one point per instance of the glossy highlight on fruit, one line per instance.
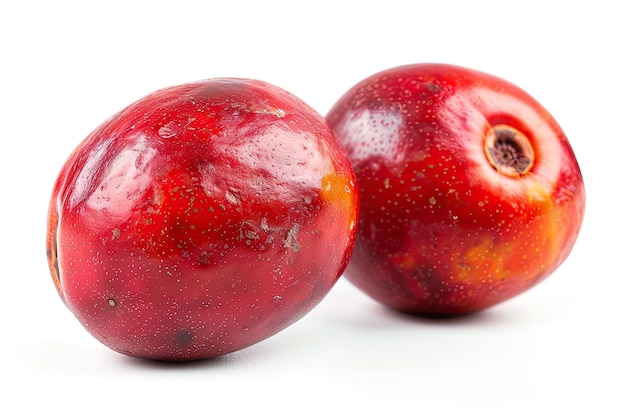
(470, 191)
(201, 219)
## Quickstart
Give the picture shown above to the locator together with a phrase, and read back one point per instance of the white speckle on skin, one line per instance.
(165, 132)
(291, 240)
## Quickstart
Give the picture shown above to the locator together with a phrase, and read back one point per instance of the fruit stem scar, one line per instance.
(508, 150)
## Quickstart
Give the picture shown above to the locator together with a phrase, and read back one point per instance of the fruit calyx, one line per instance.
(508, 150)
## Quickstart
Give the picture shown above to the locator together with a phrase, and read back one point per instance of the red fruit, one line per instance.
(470, 191)
(201, 219)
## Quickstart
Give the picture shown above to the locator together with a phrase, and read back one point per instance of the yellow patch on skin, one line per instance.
(484, 257)
(547, 234)
(538, 192)
(544, 232)
(338, 191)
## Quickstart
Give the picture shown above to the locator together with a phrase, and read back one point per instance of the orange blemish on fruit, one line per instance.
(338, 191)
(483, 261)
(406, 261)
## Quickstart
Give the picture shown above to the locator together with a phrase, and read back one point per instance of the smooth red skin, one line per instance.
(201, 219)
(434, 237)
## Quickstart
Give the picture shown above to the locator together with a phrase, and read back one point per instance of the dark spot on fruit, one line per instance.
(183, 337)
(507, 152)
(204, 258)
(112, 302)
(432, 87)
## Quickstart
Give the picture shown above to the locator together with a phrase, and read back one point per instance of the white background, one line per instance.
(555, 350)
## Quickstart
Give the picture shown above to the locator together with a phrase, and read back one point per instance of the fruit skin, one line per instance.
(201, 219)
(441, 231)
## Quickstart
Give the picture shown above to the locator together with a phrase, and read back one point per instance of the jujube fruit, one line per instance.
(201, 219)
(470, 191)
